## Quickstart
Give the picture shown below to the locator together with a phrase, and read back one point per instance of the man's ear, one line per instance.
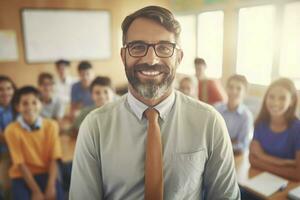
(123, 54)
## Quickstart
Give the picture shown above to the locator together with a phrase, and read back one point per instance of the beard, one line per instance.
(150, 89)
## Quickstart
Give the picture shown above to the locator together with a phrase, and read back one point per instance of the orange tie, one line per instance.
(154, 186)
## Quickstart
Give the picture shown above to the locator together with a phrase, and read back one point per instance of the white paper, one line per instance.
(266, 184)
(8, 46)
(294, 194)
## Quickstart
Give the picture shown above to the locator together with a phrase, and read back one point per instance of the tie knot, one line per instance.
(151, 114)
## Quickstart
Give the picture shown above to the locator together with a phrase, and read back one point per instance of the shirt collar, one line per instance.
(139, 107)
(24, 125)
(3, 109)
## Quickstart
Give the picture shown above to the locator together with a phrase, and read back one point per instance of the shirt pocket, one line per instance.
(186, 172)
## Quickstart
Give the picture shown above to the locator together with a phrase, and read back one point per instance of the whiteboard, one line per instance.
(50, 35)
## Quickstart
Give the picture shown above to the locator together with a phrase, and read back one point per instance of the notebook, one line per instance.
(266, 184)
(294, 194)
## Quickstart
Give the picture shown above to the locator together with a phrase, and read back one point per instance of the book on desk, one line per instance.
(265, 184)
(294, 194)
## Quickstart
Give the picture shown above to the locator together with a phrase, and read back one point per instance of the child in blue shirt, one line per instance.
(276, 143)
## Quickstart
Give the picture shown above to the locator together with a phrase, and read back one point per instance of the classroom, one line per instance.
(89, 110)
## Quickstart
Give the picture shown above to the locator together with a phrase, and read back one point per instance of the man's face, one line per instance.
(62, 70)
(150, 76)
(235, 91)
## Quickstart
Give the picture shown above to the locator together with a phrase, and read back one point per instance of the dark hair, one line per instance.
(290, 114)
(4, 78)
(62, 62)
(24, 91)
(156, 13)
(186, 78)
(240, 78)
(101, 81)
(84, 65)
(44, 76)
(199, 61)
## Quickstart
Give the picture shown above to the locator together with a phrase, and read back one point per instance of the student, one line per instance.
(80, 95)
(64, 82)
(237, 116)
(34, 147)
(102, 93)
(276, 143)
(209, 91)
(52, 106)
(187, 87)
(7, 90)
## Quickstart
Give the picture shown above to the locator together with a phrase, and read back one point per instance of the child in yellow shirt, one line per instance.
(34, 147)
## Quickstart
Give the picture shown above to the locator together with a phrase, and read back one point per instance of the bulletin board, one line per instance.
(51, 34)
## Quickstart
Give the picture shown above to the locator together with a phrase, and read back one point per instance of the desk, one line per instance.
(244, 172)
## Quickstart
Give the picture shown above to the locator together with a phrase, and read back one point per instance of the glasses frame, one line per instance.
(175, 46)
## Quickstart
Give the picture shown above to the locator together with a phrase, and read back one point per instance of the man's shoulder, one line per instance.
(192, 104)
(109, 108)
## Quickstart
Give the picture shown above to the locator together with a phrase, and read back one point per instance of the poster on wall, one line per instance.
(9, 48)
(51, 34)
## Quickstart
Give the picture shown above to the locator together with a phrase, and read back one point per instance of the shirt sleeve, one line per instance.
(244, 133)
(14, 143)
(86, 178)
(60, 109)
(220, 180)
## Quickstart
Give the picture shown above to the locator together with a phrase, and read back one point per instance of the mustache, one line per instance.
(147, 67)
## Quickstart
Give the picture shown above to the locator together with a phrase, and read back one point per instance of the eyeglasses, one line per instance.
(138, 49)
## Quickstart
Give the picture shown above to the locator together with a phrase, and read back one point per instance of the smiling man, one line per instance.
(153, 143)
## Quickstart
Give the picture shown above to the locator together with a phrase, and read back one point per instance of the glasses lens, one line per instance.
(137, 49)
(164, 49)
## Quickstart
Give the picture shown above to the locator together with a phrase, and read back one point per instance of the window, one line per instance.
(290, 58)
(210, 41)
(188, 43)
(255, 43)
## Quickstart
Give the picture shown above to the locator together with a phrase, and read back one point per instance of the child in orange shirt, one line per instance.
(34, 147)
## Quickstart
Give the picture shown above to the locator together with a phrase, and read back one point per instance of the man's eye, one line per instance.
(138, 47)
(164, 48)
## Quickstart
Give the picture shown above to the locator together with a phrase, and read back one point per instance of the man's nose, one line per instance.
(151, 58)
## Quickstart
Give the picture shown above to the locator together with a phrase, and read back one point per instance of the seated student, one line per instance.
(64, 82)
(238, 118)
(209, 90)
(52, 105)
(187, 87)
(34, 147)
(102, 93)
(276, 143)
(80, 93)
(7, 89)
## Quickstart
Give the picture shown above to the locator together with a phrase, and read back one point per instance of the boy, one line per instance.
(64, 82)
(52, 106)
(187, 87)
(34, 147)
(237, 116)
(80, 94)
(102, 93)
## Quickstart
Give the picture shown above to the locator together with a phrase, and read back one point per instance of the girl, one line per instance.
(276, 143)
(7, 90)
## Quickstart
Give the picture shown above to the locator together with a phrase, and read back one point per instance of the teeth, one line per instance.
(150, 73)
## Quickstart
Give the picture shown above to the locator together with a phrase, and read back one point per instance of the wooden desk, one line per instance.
(244, 172)
(68, 147)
